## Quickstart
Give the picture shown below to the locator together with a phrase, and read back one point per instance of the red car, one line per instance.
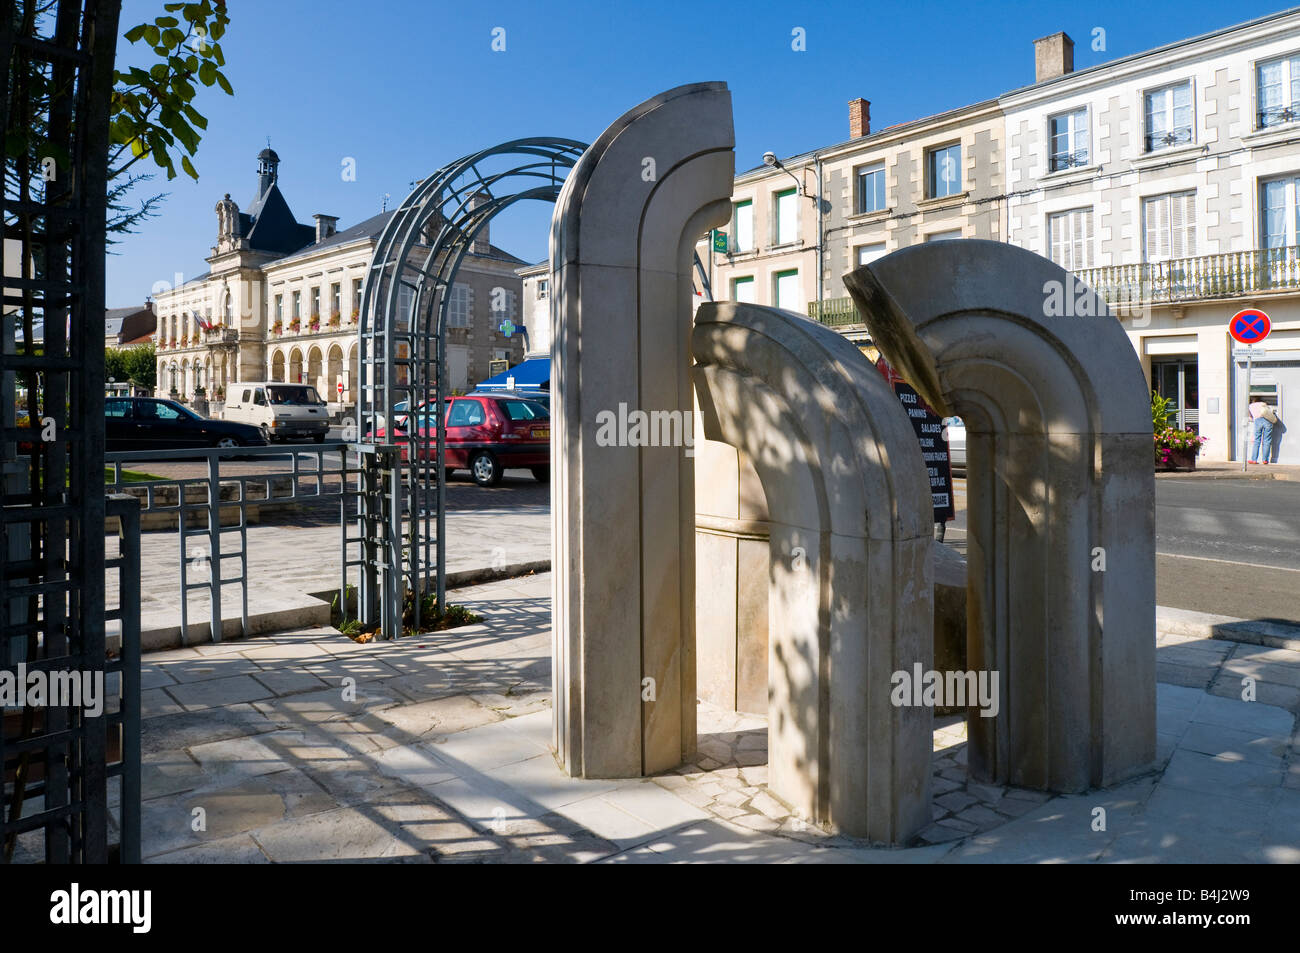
(486, 434)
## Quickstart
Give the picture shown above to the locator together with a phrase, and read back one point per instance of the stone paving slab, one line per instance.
(437, 748)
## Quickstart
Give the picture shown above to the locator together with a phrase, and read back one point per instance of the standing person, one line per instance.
(1263, 417)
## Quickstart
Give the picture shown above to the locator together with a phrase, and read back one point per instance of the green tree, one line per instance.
(138, 364)
(152, 112)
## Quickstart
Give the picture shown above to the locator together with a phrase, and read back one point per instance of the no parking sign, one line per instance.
(1250, 326)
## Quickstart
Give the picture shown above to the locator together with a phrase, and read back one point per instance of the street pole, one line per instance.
(1245, 441)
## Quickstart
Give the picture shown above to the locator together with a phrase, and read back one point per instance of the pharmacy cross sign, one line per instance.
(1250, 326)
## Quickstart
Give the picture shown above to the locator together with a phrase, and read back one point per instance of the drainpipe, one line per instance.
(821, 243)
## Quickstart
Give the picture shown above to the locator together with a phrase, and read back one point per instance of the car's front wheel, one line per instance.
(266, 433)
(319, 438)
(486, 469)
(225, 443)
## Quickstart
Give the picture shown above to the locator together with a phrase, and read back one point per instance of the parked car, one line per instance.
(487, 434)
(542, 397)
(282, 411)
(149, 423)
(955, 430)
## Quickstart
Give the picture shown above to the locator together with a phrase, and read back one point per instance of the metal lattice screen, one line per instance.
(56, 754)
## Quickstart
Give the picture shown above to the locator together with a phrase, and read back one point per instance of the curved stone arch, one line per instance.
(295, 368)
(1059, 467)
(277, 364)
(851, 592)
(315, 365)
(622, 243)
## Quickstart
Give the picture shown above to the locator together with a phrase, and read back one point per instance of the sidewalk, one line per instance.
(1221, 470)
(287, 563)
(443, 754)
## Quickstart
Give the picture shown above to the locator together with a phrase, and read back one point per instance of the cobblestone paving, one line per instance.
(729, 780)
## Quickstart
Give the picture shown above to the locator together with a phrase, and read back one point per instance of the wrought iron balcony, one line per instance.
(834, 312)
(1189, 279)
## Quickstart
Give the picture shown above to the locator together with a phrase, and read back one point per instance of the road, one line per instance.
(1228, 547)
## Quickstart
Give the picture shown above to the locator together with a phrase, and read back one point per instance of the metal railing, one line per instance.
(1188, 279)
(834, 312)
(126, 666)
(349, 472)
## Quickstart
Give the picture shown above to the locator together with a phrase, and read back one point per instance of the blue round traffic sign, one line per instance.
(1250, 326)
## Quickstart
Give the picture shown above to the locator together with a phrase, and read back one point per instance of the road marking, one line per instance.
(1229, 562)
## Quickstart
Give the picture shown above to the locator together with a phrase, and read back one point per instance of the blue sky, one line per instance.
(404, 86)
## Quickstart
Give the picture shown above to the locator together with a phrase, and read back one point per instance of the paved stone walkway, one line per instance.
(306, 746)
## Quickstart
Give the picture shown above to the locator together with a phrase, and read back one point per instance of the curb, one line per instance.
(156, 639)
(1205, 625)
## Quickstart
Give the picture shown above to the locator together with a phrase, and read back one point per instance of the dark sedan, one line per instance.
(147, 423)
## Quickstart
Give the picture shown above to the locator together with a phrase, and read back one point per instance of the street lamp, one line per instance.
(770, 159)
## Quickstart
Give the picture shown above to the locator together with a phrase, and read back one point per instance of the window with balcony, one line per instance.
(356, 294)
(742, 226)
(943, 171)
(786, 292)
(871, 188)
(1169, 116)
(785, 218)
(336, 300)
(1277, 96)
(297, 304)
(1068, 140)
(1069, 238)
(1279, 212)
(1169, 226)
(458, 309)
(279, 307)
(742, 289)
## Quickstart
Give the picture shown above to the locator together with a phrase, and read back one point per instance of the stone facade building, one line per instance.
(797, 225)
(1168, 180)
(281, 302)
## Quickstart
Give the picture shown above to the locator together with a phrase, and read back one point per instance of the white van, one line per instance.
(283, 411)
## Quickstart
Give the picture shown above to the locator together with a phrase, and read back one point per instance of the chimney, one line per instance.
(482, 244)
(325, 226)
(859, 118)
(1053, 57)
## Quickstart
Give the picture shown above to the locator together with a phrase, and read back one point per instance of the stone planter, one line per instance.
(1179, 460)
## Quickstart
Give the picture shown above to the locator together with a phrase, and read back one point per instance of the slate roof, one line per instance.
(371, 228)
(274, 228)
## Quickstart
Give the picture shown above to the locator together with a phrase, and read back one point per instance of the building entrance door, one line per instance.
(1176, 380)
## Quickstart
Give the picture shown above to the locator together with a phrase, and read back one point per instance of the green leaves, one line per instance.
(152, 112)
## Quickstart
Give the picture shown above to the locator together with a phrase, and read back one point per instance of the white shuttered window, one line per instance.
(787, 218)
(1169, 224)
(1070, 238)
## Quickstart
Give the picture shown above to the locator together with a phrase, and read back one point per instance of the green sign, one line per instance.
(720, 241)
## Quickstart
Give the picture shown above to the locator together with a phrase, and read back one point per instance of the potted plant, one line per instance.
(1174, 449)
(356, 314)
(334, 319)
(277, 327)
(295, 325)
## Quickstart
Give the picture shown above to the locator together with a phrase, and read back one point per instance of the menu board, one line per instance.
(928, 427)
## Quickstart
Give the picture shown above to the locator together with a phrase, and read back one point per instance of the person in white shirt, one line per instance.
(1262, 446)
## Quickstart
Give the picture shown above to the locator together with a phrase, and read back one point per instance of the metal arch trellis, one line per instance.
(402, 354)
